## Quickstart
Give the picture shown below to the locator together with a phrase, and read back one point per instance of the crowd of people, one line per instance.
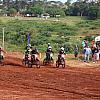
(92, 51)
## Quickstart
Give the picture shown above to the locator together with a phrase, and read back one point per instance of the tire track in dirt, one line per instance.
(71, 83)
(75, 92)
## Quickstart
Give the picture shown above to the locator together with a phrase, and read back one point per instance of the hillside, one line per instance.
(66, 32)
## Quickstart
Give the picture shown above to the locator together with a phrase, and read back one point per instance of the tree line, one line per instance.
(87, 8)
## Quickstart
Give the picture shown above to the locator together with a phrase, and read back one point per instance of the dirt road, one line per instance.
(78, 81)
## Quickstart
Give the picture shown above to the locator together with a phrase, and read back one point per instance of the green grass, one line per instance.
(65, 31)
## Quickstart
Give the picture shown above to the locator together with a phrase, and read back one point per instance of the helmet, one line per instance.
(48, 44)
(29, 45)
(49, 47)
(76, 46)
(62, 48)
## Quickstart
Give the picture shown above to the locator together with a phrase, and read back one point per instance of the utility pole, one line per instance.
(3, 38)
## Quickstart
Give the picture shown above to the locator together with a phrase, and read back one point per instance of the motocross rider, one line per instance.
(28, 51)
(1, 53)
(62, 52)
(35, 52)
(49, 53)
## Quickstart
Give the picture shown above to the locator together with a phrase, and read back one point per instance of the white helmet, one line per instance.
(48, 44)
(49, 47)
(62, 48)
(29, 45)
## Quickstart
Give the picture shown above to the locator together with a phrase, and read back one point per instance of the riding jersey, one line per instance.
(49, 51)
(61, 52)
(1, 52)
(28, 51)
(34, 51)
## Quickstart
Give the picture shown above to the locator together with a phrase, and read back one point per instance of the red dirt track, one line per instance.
(78, 81)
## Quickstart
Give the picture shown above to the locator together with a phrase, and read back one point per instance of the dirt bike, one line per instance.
(60, 61)
(49, 59)
(33, 61)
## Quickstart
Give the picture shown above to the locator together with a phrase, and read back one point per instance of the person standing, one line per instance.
(96, 53)
(76, 51)
(87, 52)
(93, 48)
(83, 43)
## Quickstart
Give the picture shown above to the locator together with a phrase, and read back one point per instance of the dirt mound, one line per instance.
(79, 81)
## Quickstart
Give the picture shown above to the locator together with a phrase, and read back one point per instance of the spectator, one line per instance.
(87, 52)
(76, 51)
(86, 43)
(83, 43)
(97, 52)
(93, 51)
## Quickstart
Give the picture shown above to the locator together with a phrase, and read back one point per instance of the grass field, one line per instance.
(86, 26)
(68, 30)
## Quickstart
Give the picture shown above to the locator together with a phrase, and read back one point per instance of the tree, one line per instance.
(36, 10)
(4, 11)
(68, 3)
(93, 12)
(53, 11)
(74, 9)
(12, 11)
